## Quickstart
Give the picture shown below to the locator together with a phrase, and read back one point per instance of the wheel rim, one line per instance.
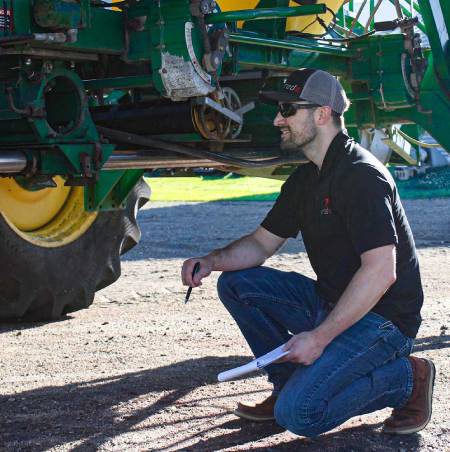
(51, 217)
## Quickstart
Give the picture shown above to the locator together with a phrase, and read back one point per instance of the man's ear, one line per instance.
(323, 115)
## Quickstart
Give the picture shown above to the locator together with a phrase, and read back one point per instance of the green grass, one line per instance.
(434, 184)
(204, 189)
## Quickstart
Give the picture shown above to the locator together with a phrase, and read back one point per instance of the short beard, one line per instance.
(297, 140)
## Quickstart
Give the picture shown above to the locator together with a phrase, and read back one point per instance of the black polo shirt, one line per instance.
(349, 207)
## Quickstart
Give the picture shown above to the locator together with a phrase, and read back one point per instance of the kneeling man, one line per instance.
(350, 332)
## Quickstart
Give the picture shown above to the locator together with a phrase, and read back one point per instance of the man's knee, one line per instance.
(224, 284)
(230, 284)
(301, 417)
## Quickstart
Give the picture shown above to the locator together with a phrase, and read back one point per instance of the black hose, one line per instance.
(125, 137)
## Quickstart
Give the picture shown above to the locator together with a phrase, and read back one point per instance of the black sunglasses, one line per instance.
(287, 109)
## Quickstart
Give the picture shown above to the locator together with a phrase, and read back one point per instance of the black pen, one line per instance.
(194, 271)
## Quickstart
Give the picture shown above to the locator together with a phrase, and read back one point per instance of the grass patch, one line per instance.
(434, 184)
(204, 189)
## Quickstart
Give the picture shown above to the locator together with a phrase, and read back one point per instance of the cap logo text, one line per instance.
(297, 89)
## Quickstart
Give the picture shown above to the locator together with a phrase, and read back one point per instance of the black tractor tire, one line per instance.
(42, 284)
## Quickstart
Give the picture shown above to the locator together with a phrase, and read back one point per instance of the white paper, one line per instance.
(256, 364)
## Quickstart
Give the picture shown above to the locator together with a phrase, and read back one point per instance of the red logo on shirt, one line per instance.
(326, 210)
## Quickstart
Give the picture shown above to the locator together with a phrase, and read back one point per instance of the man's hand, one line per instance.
(206, 267)
(304, 348)
(249, 251)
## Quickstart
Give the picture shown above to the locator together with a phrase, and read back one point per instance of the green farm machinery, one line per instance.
(93, 94)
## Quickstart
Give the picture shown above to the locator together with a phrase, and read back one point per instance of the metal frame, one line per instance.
(159, 50)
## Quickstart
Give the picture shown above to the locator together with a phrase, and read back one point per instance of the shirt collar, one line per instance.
(341, 145)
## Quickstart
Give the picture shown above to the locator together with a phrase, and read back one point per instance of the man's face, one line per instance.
(296, 130)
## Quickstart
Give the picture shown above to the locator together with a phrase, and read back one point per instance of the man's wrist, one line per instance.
(211, 258)
(322, 336)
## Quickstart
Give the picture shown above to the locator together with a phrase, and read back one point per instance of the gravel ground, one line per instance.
(137, 371)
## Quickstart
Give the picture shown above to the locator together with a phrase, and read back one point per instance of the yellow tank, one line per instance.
(304, 24)
(235, 5)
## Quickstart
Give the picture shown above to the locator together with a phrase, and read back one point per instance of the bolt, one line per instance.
(48, 67)
(28, 62)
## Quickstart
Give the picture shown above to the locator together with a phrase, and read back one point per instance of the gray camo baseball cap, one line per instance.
(311, 85)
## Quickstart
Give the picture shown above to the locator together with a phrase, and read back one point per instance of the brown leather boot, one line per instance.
(262, 411)
(416, 414)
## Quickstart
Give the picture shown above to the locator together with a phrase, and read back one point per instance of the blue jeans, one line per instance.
(364, 369)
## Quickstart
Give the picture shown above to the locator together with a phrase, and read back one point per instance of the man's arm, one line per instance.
(248, 251)
(374, 277)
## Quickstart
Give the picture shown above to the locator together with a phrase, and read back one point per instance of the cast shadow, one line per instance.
(431, 343)
(7, 327)
(362, 438)
(56, 416)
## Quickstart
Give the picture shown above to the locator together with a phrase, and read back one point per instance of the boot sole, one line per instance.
(418, 428)
(250, 417)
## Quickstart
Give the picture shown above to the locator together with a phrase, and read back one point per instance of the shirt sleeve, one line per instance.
(283, 219)
(370, 220)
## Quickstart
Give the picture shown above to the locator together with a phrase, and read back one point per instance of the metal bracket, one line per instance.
(400, 146)
(234, 116)
(245, 109)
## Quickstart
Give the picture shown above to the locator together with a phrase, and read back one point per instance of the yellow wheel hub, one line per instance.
(50, 217)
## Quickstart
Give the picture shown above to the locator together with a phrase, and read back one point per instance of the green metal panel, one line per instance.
(106, 35)
(111, 190)
(256, 51)
(436, 15)
(139, 31)
(379, 66)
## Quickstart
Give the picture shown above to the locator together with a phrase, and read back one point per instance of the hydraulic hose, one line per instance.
(125, 137)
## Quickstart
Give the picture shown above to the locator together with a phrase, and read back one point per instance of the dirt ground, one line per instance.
(138, 370)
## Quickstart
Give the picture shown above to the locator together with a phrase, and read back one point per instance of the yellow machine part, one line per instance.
(304, 24)
(50, 217)
(236, 5)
